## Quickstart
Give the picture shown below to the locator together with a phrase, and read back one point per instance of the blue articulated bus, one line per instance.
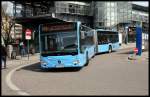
(107, 40)
(66, 44)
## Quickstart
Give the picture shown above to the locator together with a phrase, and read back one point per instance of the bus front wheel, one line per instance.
(87, 60)
(110, 49)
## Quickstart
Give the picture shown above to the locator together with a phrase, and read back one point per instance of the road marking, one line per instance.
(10, 83)
(22, 93)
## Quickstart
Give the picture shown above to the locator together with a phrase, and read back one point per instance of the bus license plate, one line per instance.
(59, 65)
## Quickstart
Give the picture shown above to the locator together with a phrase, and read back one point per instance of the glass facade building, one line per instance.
(105, 14)
(95, 14)
(119, 15)
(109, 14)
(74, 11)
(64, 10)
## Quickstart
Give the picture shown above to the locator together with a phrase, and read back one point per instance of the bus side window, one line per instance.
(104, 40)
(99, 39)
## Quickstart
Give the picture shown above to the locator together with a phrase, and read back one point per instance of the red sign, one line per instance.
(135, 50)
(28, 34)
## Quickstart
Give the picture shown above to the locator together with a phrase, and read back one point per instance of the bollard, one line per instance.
(134, 55)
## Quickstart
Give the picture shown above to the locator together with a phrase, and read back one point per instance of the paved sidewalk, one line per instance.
(129, 45)
(22, 60)
(144, 56)
(11, 64)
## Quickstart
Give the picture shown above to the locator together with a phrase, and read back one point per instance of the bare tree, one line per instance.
(7, 24)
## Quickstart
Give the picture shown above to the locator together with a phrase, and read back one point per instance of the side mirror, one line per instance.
(82, 35)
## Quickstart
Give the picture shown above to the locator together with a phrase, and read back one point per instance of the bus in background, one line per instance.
(67, 44)
(107, 40)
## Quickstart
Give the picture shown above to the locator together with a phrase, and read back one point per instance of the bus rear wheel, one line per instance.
(110, 49)
(87, 60)
(94, 53)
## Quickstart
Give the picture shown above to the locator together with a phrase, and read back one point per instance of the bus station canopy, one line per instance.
(37, 20)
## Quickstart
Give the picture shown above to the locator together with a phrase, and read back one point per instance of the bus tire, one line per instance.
(110, 49)
(87, 60)
(94, 52)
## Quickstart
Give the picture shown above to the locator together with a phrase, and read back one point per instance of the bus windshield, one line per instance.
(59, 43)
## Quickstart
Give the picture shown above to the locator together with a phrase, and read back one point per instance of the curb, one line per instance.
(10, 83)
(132, 57)
(135, 57)
(21, 61)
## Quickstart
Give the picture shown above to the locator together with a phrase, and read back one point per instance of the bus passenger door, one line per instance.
(102, 43)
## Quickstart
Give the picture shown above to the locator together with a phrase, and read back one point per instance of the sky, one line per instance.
(10, 5)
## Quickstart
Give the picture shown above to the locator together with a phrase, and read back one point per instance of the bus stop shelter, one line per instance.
(33, 24)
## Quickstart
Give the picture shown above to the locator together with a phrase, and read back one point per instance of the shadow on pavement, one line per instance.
(129, 52)
(104, 53)
(126, 52)
(37, 68)
(101, 53)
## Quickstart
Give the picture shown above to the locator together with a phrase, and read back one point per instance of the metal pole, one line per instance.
(126, 35)
(28, 49)
(139, 40)
(40, 39)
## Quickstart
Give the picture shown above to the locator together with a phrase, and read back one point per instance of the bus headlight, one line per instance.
(43, 63)
(76, 62)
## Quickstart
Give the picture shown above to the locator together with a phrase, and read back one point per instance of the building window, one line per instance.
(112, 4)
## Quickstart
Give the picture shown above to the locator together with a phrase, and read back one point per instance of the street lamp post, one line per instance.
(126, 35)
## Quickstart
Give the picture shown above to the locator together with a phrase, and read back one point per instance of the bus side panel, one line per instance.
(82, 59)
(115, 46)
(103, 48)
(91, 51)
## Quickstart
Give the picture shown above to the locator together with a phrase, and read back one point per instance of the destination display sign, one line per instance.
(57, 27)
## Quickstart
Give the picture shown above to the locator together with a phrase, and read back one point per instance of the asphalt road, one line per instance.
(106, 74)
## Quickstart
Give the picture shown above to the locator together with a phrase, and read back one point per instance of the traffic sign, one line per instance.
(135, 50)
(28, 34)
